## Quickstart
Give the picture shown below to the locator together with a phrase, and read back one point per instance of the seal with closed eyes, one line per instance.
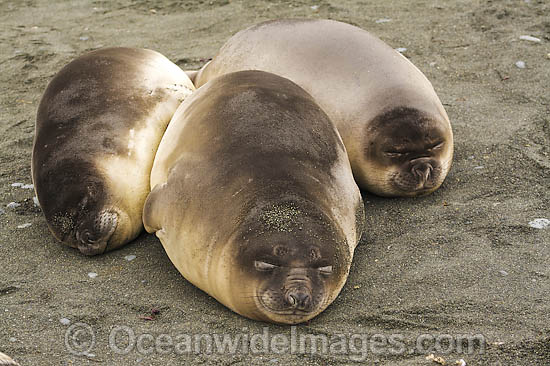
(395, 129)
(98, 126)
(254, 199)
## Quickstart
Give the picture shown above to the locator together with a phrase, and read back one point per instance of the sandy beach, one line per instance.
(462, 274)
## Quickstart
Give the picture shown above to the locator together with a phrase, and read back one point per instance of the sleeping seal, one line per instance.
(98, 126)
(395, 129)
(254, 199)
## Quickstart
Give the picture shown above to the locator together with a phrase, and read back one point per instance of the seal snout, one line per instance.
(297, 292)
(422, 169)
(298, 298)
(93, 235)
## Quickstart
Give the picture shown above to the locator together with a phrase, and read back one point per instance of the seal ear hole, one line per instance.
(264, 266)
(325, 270)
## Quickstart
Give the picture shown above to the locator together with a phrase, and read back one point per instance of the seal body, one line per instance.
(254, 199)
(98, 126)
(395, 129)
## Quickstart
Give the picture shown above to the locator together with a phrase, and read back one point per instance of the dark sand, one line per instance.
(463, 261)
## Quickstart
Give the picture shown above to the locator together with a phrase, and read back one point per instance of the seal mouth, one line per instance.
(94, 238)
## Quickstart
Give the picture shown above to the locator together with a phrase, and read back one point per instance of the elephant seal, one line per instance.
(98, 126)
(254, 199)
(395, 129)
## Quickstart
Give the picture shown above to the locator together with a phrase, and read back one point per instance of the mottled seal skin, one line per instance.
(395, 129)
(254, 199)
(98, 126)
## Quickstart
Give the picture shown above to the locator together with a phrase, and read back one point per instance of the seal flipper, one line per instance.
(152, 211)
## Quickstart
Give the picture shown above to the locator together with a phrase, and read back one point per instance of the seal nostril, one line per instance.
(291, 300)
(298, 298)
(303, 299)
(422, 171)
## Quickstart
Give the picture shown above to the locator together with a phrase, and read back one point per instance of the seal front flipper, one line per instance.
(153, 209)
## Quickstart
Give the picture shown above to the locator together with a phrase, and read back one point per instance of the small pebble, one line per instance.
(28, 186)
(35, 200)
(529, 38)
(92, 275)
(432, 64)
(23, 226)
(479, 167)
(539, 223)
(2, 211)
(13, 205)
(520, 64)
(64, 321)
(84, 38)
(13, 339)
(401, 49)
(383, 20)
(17, 184)
(314, 7)
(461, 362)
(504, 273)
(130, 258)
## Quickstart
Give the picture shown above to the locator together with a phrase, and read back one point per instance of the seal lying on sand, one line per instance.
(394, 127)
(254, 199)
(98, 127)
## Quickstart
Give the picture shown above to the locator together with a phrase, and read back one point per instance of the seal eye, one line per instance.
(263, 266)
(394, 154)
(438, 145)
(325, 270)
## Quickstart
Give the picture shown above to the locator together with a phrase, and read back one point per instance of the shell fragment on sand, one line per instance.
(529, 38)
(539, 223)
(22, 185)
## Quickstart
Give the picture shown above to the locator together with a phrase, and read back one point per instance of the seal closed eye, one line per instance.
(254, 199)
(98, 126)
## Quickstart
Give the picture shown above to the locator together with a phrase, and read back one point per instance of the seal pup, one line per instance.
(98, 126)
(254, 199)
(395, 129)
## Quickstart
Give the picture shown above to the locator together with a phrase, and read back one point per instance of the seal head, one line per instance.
(406, 153)
(292, 264)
